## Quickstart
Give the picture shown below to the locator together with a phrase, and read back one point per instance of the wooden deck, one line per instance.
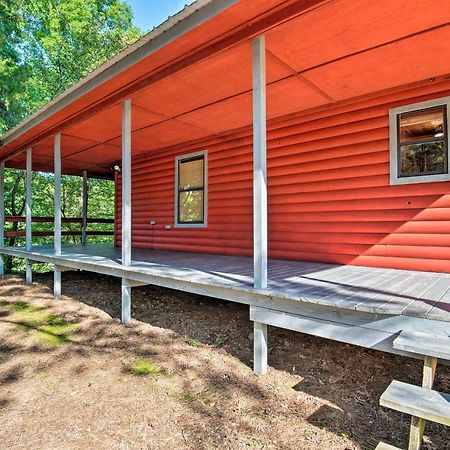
(383, 300)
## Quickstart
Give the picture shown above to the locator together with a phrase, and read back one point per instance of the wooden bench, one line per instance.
(421, 402)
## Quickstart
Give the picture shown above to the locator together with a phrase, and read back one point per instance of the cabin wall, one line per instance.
(328, 190)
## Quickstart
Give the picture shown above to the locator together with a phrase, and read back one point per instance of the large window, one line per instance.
(419, 143)
(190, 190)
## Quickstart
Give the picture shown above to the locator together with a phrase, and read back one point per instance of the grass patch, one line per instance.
(50, 383)
(188, 397)
(206, 396)
(51, 329)
(193, 342)
(145, 367)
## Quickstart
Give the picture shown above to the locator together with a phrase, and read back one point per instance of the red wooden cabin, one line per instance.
(334, 113)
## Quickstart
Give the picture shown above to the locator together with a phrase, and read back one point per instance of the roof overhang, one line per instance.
(189, 17)
(190, 78)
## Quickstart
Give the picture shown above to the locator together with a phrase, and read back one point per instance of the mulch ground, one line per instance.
(179, 376)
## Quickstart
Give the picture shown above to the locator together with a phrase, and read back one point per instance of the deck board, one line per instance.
(430, 298)
(340, 287)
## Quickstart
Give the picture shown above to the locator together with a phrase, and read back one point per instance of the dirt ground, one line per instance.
(179, 376)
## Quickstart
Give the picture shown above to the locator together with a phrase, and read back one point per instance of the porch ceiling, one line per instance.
(338, 51)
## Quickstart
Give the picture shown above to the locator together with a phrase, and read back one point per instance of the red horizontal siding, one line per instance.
(329, 193)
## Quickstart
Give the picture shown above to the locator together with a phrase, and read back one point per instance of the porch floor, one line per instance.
(384, 292)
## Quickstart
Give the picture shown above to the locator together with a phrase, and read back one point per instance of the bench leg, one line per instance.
(260, 347)
(418, 424)
(126, 301)
(28, 272)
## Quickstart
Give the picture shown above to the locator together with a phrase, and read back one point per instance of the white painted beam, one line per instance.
(259, 164)
(28, 224)
(28, 208)
(85, 190)
(57, 200)
(126, 207)
(57, 214)
(126, 182)
(260, 348)
(2, 214)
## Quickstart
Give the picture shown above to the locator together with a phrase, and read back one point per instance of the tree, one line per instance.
(13, 72)
(48, 45)
(100, 205)
(45, 47)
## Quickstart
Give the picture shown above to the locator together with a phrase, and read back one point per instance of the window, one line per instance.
(190, 190)
(419, 142)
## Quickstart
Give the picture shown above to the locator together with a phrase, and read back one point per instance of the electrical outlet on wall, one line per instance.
(168, 227)
(152, 222)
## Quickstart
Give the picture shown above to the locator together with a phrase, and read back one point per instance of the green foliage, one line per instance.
(193, 342)
(45, 47)
(13, 73)
(48, 45)
(100, 205)
(188, 397)
(145, 367)
(218, 341)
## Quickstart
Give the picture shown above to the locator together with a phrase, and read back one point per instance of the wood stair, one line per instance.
(425, 344)
(417, 401)
(383, 446)
(421, 402)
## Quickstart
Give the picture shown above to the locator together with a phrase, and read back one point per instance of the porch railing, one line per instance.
(19, 219)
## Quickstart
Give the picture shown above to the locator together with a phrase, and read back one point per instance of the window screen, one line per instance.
(191, 190)
(422, 142)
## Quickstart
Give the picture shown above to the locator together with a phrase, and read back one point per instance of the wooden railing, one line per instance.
(19, 219)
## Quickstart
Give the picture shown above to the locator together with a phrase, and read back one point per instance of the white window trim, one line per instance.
(179, 158)
(393, 113)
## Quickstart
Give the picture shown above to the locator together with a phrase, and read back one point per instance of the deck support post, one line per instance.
(417, 423)
(259, 164)
(28, 272)
(126, 207)
(260, 348)
(84, 208)
(57, 214)
(2, 214)
(57, 282)
(28, 222)
(126, 301)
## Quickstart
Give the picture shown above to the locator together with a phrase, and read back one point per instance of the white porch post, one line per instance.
(28, 223)
(57, 214)
(85, 208)
(259, 164)
(2, 214)
(259, 195)
(126, 207)
(260, 347)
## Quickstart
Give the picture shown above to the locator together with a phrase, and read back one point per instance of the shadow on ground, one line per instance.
(318, 394)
